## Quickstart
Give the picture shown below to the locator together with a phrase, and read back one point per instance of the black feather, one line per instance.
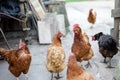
(97, 36)
(107, 44)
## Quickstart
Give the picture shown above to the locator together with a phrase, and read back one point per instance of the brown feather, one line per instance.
(81, 46)
(19, 60)
(92, 17)
(75, 72)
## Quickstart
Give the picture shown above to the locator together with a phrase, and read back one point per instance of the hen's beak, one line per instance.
(75, 31)
(93, 38)
(62, 37)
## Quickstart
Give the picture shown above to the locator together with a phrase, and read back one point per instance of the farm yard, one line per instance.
(77, 13)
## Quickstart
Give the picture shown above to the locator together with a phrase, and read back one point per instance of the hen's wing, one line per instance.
(55, 59)
(86, 38)
(24, 61)
(107, 42)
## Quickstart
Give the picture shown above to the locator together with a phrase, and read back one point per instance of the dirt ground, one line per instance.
(77, 13)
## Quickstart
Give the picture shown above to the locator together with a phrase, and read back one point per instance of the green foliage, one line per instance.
(74, 0)
(117, 72)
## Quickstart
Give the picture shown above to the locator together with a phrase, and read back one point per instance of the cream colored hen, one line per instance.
(81, 46)
(56, 56)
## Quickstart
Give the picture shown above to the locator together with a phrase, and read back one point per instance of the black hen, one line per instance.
(107, 46)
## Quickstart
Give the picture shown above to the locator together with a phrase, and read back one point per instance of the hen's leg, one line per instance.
(91, 26)
(109, 65)
(104, 60)
(17, 78)
(58, 76)
(26, 76)
(52, 76)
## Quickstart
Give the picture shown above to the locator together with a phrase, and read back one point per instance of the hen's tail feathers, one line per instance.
(3, 51)
(112, 44)
(95, 14)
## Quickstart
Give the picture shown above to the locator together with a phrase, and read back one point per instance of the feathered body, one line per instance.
(55, 59)
(107, 45)
(92, 16)
(75, 72)
(19, 60)
(81, 46)
(56, 56)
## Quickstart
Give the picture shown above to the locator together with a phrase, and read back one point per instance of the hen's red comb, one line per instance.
(76, 25)
(59, 32)
(91, 9)
(21, 43)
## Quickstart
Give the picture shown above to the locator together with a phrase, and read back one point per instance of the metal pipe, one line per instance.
(4, 38)
(11, 17)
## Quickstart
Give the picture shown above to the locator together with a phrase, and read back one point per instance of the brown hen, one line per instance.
(56, 56)
(81, 46)
(19, 60)
(92, 17)
(75, 72)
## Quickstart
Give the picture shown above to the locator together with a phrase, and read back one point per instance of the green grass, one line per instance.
(74, 0)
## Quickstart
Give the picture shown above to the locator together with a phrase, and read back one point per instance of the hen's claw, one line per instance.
(88, 64)
(109, 66)
(58, 76)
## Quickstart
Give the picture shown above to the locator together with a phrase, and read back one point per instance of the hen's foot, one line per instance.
(104, 61)
(109, 66)
(88, 65)
(58, 76)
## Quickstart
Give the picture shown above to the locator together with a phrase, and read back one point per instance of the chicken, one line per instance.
(75, 72)
(86, 38)
(81, 46)
(19, 60)
(56, 56)
(92, 17)
(107, 46)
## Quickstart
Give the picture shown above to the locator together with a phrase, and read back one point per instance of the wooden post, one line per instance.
(116, 15)
(58, 6)
(38, 9)
(24, 26)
